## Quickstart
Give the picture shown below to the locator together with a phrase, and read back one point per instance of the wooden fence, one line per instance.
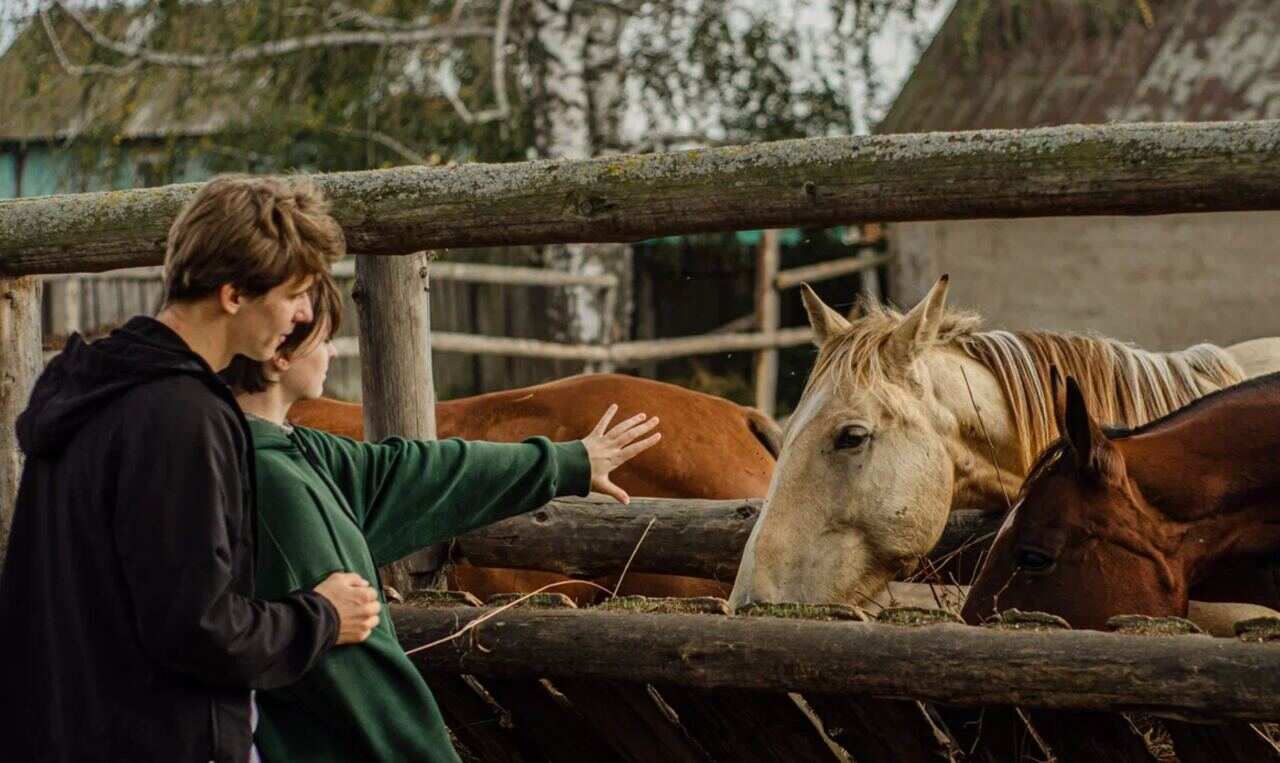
(656, 680)
(78, 302)
(651, 684)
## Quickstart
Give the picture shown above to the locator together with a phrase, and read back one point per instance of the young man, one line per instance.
(130, 631)
(326, 502)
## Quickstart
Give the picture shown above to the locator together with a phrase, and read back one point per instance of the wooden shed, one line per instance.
(1163, 282)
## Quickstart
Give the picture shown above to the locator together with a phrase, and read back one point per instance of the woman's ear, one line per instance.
(279, 362)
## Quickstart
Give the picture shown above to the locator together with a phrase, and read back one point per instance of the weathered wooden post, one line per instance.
(768, 318)
(64, 304)
(20, 363)
(392, 296)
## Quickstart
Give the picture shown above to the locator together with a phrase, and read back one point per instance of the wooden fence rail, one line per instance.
(595, 536)
(1073, 170)
(1198, 677)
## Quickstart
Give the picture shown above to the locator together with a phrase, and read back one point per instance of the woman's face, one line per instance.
(304, 378)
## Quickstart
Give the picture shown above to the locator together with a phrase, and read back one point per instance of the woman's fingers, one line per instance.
(622, 435)
(638, 447)
(607, 487)
(603, 424)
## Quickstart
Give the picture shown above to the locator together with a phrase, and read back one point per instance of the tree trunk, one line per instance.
(570, 123)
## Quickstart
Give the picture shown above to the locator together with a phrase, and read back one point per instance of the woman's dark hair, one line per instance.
(247, 375)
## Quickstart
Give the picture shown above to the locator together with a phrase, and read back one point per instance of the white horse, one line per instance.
(906, 417)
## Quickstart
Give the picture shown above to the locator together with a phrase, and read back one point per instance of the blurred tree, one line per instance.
(327, 85)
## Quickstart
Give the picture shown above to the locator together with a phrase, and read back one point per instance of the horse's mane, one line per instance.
(1123, 385)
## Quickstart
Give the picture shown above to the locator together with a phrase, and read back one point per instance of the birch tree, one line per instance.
(322, 85)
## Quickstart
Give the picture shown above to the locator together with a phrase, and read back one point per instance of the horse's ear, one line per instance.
(921, 323)
(1081, 430)
(825, 321)
(1058, 397)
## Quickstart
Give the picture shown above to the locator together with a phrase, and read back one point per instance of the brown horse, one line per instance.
(711, 448)
(1128, 522)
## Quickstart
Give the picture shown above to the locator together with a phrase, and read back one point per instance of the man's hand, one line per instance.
(610, 449)
(356, 602)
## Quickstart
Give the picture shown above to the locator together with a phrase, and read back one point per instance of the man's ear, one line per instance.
(230, 298)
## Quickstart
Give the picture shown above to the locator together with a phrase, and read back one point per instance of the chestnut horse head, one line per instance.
(1115, 522)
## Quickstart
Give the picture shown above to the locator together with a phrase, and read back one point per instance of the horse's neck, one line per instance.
(974, 418)
(1211, 473)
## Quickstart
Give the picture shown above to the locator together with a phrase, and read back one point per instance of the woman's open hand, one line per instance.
(610, 448)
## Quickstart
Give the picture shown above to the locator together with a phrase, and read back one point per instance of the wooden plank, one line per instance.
(480, 725)
(822, 271)
(592, 537)
(1198, 742)
(547, 722)
(510, 275)
(1217, 743)
(747, 725)
(768, 320)
(630, 718)
(625, 713)
(621, 354)
(20, 363)
(873, 729)
(967, 666)
(474, 718)
(1069, 736)
(780, 727)
(397, 390)
(1069, 170)
(539, 713)
(1084, 737)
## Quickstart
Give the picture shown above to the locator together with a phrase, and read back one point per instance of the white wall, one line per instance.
(1162, 282)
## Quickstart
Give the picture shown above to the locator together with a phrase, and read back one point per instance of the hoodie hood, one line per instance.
(84, 378)
(269, 436)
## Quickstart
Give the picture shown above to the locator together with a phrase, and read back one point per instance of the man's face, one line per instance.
(263, 323)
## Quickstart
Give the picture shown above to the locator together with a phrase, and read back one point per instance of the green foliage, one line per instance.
(724, 71)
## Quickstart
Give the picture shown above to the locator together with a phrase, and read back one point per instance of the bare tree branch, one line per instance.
(503, 109)
(80, 70)
(274, 48)
(384, 140)
(375, 21)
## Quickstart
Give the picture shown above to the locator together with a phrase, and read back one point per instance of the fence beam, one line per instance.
(594, 537)
(955, 664)
(1072, 170)
(621, 354)
(20, 364)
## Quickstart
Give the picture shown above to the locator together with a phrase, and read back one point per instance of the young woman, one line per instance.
(328, 503)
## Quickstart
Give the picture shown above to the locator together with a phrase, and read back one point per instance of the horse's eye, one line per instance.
(852, 437)
(1032, 561)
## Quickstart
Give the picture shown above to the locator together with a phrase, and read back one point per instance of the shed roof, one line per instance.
(1013, 63)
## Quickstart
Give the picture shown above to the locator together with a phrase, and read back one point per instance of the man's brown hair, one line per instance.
(254, 233)
(249, 375)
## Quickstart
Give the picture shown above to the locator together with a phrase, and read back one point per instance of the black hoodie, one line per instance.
(127, 627)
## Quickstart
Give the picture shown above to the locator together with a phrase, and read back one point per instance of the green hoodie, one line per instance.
(326, 504)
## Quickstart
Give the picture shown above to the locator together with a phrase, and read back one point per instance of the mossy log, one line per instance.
(1070, 170)
(595, 536)
(956, 664)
